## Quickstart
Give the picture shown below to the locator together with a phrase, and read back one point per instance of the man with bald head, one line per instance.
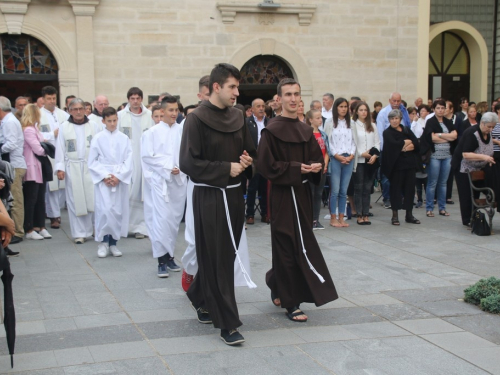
(256, 123)
(418, 102)
(100, 102)
(382, 124)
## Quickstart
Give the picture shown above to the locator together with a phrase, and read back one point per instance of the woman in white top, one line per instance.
(367, 142)
(342, 151)
(418, 126)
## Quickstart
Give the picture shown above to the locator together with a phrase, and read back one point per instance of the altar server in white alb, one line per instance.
(133, 121)
(110, 165)
(165, 185)
(51, 120)
(72, 151)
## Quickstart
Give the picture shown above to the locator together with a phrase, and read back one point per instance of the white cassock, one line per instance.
(55, 195)
(134, 125)
(164, 193)
(111, 153)
(73, 145)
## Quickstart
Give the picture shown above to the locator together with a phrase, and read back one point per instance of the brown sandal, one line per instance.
(54, 223)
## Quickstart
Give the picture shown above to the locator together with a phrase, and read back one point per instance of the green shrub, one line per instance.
(491, 304)
(484, 288)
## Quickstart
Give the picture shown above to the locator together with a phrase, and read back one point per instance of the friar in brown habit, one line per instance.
(216, 148)
(289, 156)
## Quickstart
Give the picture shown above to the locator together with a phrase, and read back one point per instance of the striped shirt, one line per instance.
(495, 134)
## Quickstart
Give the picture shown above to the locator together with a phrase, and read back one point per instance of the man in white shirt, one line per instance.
(134, 120)
(326, 111)
(52, 118)
(12, 148)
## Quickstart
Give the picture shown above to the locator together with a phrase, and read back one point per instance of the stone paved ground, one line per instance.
(400, 310)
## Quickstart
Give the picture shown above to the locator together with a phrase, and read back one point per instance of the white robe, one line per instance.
(81, 226)
(189, 260)
(111, 153)
(55, 195)
(164, 193)
(134, 125)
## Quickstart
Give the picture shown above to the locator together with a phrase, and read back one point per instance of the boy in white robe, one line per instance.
(72, 149)
(164, 186)
(110, 165)
(157, 114)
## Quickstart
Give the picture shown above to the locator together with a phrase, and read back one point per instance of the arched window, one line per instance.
(264, 70)
(24, 57)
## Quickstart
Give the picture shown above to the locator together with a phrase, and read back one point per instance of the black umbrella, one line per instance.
(9, 320)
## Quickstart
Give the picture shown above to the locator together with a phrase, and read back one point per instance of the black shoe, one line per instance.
(203, 315)
(11, 253)
(15, 240)
(231, 337)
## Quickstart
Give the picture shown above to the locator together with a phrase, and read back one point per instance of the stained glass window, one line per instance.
(22, 54)
(264, 70)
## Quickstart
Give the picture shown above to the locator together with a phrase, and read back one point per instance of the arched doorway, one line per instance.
(449, 67)
(26, 65)
(260, 77)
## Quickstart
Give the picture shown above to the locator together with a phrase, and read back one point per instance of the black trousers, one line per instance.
(34, 205)
(449, 186)
(257, 184)
(363, 182)
(464, 196)
(419, 183)
(402, 183)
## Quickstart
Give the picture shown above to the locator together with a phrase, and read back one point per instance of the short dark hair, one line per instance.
(330, 95)
(286, 82)
(49, 90)
(463, 99)
(355, 98)
(204, 82)
(70, 97)
(168, 100)
(497, 107)
(187, 108)
(107, 112)
(438, 102)
(135, 91)
(427, 108)
(377, 104)
(220, 74)
(451, 104)
(87, 104)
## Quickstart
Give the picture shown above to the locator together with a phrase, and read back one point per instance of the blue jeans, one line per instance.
(339, 182)
(438, 171)
(108, 238)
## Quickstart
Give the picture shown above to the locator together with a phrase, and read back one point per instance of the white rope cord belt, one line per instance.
(302, 239)
(248, 280)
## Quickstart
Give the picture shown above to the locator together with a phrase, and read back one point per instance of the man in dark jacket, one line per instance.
(256, 123)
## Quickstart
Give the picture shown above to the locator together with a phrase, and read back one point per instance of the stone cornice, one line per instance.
(84, 7)
(229, 11)
(14, 11)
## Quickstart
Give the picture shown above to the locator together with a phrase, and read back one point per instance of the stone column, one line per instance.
(424, 17)
(84, 11)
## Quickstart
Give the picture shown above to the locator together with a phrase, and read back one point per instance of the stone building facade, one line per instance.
(367, 48)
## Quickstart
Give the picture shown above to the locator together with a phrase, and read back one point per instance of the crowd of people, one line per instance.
(138, 170)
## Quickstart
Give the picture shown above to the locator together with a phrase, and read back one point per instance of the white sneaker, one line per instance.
(79, 240)
(114, 250)
(33, 236)
(102, 250)
(44, 233)
(139, 236)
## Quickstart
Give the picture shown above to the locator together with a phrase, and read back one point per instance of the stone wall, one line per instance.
(361, 47)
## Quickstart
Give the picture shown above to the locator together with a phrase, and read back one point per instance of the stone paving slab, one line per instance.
(400, 310)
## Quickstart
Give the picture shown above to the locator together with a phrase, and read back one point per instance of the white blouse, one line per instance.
(341, 140)
(364, 141)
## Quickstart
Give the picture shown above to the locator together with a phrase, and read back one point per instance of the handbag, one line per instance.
(479, 224)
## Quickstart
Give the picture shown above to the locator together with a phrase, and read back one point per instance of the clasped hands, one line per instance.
(111, 181)
(238, 168)
(372, 158)
(313, 168)
(408, 146)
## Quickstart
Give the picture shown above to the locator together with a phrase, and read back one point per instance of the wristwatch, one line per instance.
(440, 134)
